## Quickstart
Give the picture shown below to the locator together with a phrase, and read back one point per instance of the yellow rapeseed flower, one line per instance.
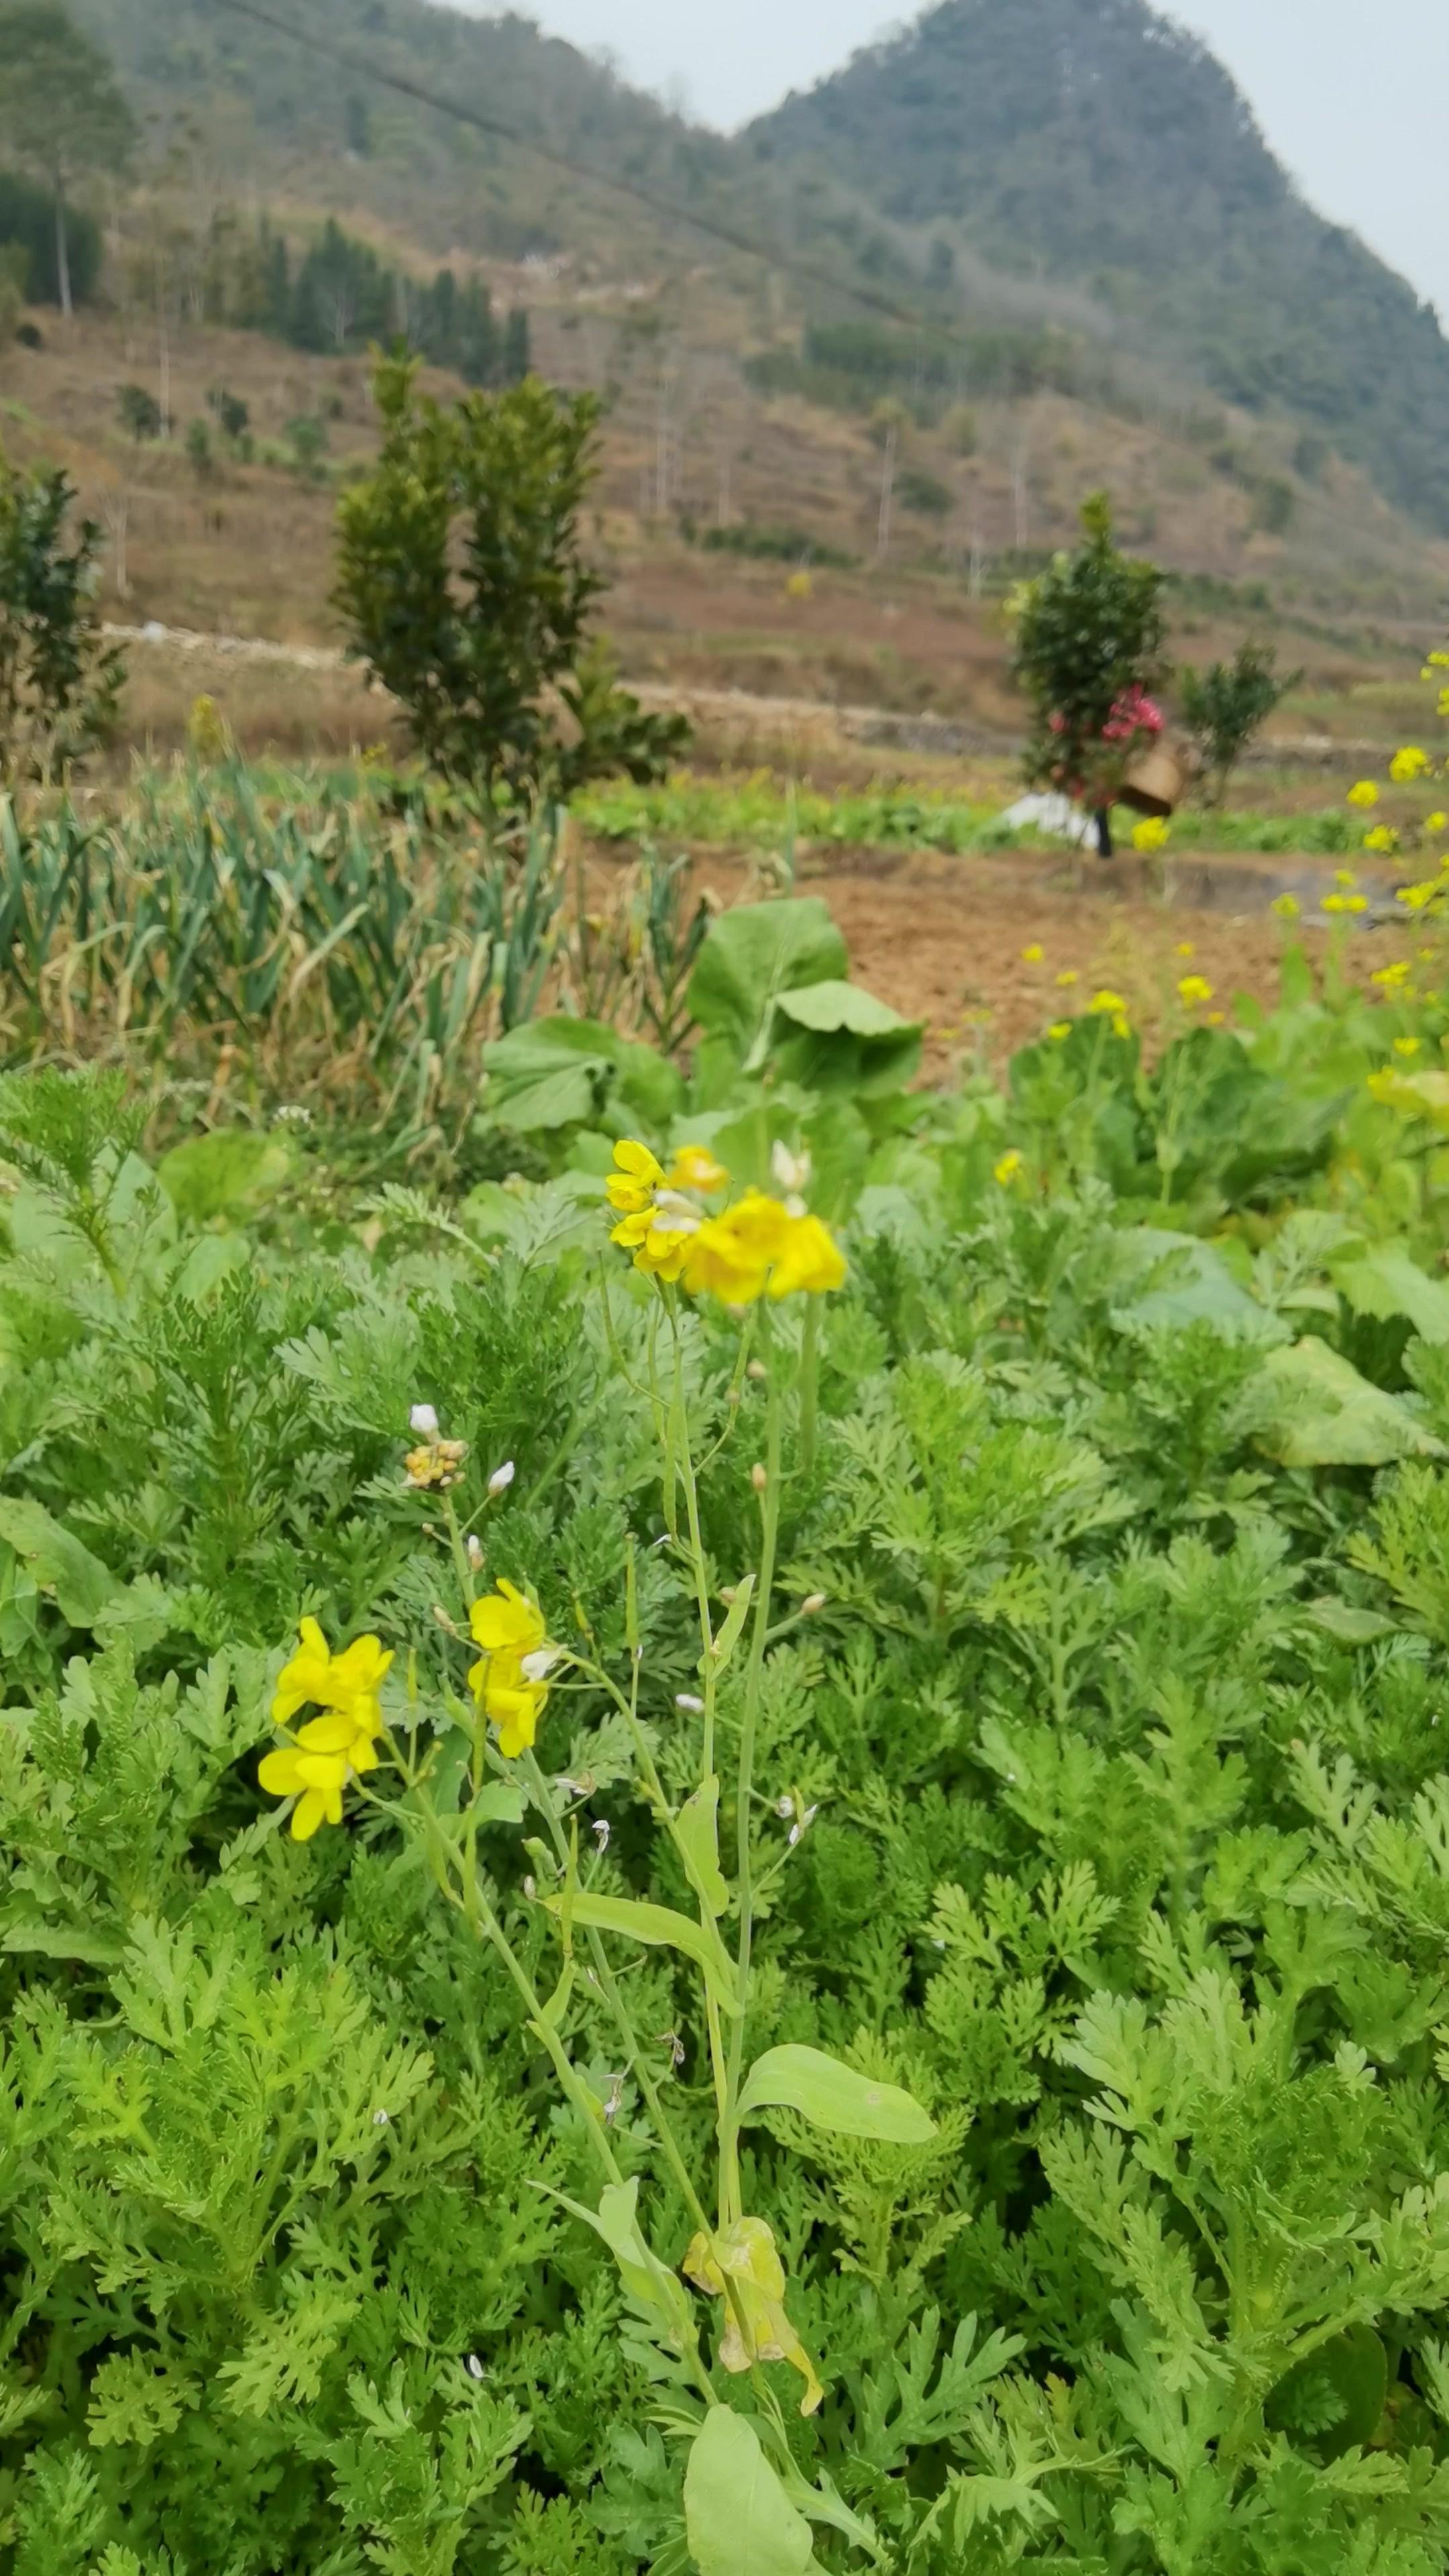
(1407, 1046)
(694, 1168)
(1287, 907)
(1185, 948)
(1337, 903)
(1068, 977)
(810, 1263)
(510, 1629)
(1436, 822)
(1108, 1005)
(1151, 835)
(731, 1256)
(637, 1174)
(1033, 955)
(1381, 840)
(1392, 977)
(315, 1766)
(1409, 765)
(1194, 990)
(1059, 1030)
(1007, 1169)
(1364, 795)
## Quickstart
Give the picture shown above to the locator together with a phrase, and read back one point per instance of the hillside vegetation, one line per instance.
(1090, 142)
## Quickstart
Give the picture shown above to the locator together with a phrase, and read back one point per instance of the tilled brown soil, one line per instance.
(949, 941)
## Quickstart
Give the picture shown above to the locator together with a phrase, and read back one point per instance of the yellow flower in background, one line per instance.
(1216, 1019)
(1185, 948)
(1409, 765)
(1436, 822)
(1068, 978)
(1151, 835)
(1344, 877)
(1059, 1030)
(1407, 1046)
(1032, 956)
(1382, 841)
(694, 1168)
(1006, 1170)
(1194, 990)
(731, 1256)
(1364, 795)
(513, 1634)
(1287, 907)
(1107, 1004)
(756, 2327)
(811, 1261)
(1337, 903)
(1392, 977)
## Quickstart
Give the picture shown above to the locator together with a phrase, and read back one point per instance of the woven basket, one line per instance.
(1155, 784)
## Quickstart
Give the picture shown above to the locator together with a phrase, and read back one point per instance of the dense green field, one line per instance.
(1007, 1662)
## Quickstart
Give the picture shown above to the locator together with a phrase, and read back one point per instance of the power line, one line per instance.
(783, 261)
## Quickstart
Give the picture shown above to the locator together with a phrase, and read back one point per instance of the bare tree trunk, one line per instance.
(62, 250)
(1021, 488)
(163, 329)
(116, 511)
(887, 495)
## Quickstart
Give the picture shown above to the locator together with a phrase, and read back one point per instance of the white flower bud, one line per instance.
(475, 1551)
(687, 1701)
(424, 1421)
(530, 1888)
(601, 1835)
(784, 1809)
(379, 2119)
(475, 2367)
(502, 1477)
(538, 1666)
(759, 1478)
(813, 1602)
(758, 1371)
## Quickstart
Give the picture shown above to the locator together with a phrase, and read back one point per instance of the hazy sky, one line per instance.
(1351, 93)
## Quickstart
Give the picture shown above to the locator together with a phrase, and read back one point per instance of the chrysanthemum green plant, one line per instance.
(747, 2504)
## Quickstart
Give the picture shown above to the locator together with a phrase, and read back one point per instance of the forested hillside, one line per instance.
(1091, 141)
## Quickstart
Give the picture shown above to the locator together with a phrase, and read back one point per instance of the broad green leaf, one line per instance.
(833, 1037)
(650, 2283)
(834, 2097)
(1311, 1408)
(1350, 1627)
(658, 1927)
(756, 952)
(738, 2518)
(1352, 2373)
(228, 1173)
(697, 1826)
(59, 1563)
(1384, 1279)
(1186, 1282)
(566, 1073)
(498, 1803)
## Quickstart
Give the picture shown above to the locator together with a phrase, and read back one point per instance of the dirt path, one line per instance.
(948, 941)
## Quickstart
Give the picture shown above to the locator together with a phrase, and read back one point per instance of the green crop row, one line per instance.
(834, 1954)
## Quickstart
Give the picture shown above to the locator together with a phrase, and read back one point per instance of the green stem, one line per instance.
(473, 1905)
(770, 1532)
(538, 1789)
(809, 1386)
